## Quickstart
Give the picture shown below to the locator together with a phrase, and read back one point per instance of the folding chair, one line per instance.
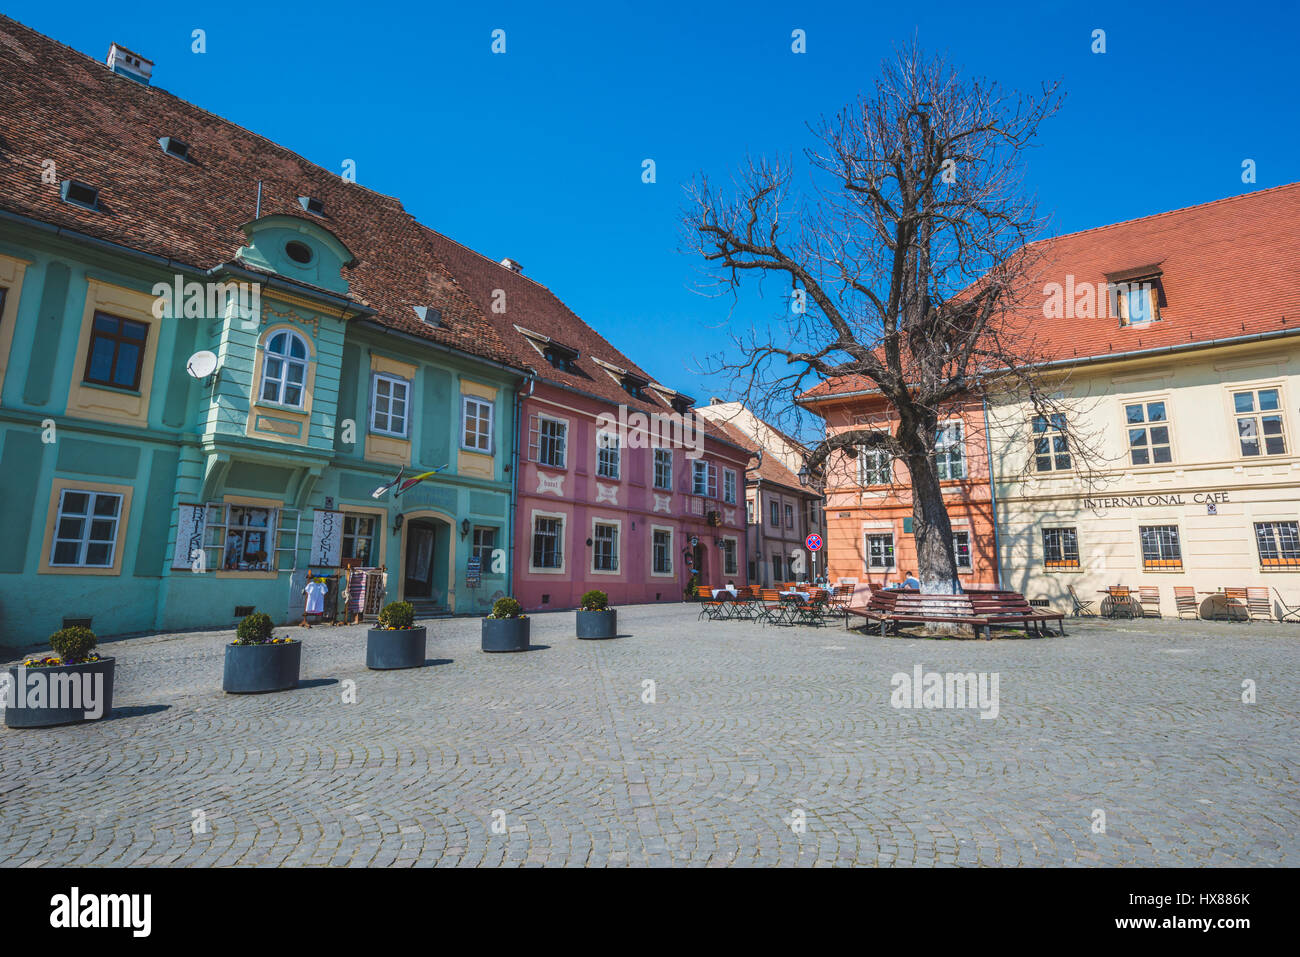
(1257, 605)
(1149, 596)
(1235, 600)
(1082, 606)
(1289, 612)
(744, 606)
(1186, 603)
(710, 607)
(774, 610)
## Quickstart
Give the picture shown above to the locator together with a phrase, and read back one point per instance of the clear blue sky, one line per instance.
(536, 154)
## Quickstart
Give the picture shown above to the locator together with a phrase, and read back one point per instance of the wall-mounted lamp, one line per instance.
(397, 524)
(464, 528)
(719, 542)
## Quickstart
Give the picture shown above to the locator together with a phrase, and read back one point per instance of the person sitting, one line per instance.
(910, 581)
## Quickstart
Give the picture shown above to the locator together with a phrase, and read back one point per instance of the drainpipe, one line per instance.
(514, 479)
(993, 493)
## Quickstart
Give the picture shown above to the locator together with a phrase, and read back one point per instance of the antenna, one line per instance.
(258, 214)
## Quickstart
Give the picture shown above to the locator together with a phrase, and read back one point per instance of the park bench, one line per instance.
(980, 610)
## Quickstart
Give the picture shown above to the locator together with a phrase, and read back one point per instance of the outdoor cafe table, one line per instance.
(1222, 607)
(1127, 602)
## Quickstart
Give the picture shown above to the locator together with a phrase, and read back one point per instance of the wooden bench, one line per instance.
(981, 610)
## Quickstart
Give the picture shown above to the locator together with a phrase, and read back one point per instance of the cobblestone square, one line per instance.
(555, 758)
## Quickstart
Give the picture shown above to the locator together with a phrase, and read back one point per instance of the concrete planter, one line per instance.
(41, 697)
(597, 624)
(388, 650)
(506, 634)
(252, 669)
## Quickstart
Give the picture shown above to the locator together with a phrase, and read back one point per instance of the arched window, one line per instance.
(284, 369)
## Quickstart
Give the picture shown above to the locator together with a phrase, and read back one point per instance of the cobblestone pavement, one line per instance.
(751, 729)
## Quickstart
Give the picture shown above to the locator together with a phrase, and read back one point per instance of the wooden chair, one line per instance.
(1235, 601)
(1186, 603)
(710, 607)
(774, 609)
(1120, 599)
(1149, 596)
(1289, 612)
(1082, 606)
(1258, 605)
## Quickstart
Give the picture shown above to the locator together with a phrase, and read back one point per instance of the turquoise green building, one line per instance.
(212, 352)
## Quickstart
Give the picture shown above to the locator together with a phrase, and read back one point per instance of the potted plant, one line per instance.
(73, 686)
(258, 661)
(395, 643)
(595, 618)
(506, 629)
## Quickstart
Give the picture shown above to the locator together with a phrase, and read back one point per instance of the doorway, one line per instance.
(424, 577)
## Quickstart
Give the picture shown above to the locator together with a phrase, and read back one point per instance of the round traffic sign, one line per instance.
(813, 541)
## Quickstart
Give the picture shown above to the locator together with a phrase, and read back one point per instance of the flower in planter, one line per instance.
(255, 629)
(75, 646)
(594, 600)
(507, 608)
(397, 616)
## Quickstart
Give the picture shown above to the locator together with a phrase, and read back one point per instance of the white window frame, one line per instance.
(617, 525)
(88, 520)
(1053, 435)
(393, 381)
(1178, 535)
(1062, 564)
(563, 439)
(609, 455)
(970, 557)
(733, 554)
(667, 529)
(866, 551)
(943, 453)
(482, 403)
(286, 360)
(729, 486)
(1279, 544)
(700, 469)
(662, 457)
(375, 533)
(485, 566)
(1257, 416)
(1167, 423)
(560, 540)
(875, 468)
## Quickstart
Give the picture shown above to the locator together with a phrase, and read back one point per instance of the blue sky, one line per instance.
(536, 154)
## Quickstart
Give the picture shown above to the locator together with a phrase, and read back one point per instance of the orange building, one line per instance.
(869, 499)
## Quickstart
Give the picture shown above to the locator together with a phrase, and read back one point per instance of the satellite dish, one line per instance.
(201, 364)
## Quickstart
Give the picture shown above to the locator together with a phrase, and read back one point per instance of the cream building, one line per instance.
(1187, 397)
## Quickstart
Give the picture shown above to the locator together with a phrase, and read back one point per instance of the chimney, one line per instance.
(714, 400)
(123, 61)
(512, 266)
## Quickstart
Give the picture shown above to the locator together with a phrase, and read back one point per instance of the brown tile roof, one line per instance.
(1229, 268)
(103, 129)
(770, 469)
(532, 306)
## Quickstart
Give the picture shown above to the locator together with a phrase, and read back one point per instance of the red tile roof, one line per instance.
(530, 305)
(1229, 268)
(770, 469)
(103, 129)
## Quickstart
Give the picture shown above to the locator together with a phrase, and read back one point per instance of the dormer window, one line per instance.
(633, 385)
(174, 147)
(1136, 295)
(561, 357)
(299, 252)
(79, 194)
(681, 403)
(312, 205)
(429, 315)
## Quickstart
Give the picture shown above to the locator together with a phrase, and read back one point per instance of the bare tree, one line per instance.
(905, 261)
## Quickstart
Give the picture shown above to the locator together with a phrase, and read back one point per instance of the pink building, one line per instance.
(619, 486)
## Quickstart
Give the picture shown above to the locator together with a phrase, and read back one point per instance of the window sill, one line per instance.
(391, 435)
(119, 390)
(279, 407)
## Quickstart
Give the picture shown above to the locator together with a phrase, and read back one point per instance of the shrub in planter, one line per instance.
(396, 643)
(73, 686)
(595, 618)
(507, 628)
(258, 661)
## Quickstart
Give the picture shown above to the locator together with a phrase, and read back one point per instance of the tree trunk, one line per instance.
(936, 563)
